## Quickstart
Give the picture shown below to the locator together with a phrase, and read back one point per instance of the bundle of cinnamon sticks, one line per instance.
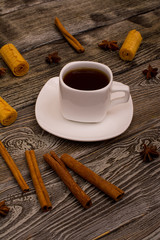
(59, 165)
(72, 40)
(38, 183)
(35, 175)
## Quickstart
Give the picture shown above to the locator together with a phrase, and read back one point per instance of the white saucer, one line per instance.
(50, 119)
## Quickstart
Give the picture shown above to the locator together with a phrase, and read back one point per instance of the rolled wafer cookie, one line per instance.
(130, 45)
(8, 114)
(15, 61)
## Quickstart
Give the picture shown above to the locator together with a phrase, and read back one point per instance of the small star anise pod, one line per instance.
(2, 71)
(112, 45)
(150, 72)
(3, 209)
(149, 153)
(53, 58)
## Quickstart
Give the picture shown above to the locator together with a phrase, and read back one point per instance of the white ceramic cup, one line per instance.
(89, 105)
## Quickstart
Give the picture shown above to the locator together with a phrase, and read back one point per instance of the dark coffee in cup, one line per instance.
(87, 79)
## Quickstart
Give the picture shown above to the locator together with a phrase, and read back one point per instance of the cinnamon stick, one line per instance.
(86, 173)
(73, 41)
(65, 176)
(13, 168)
(38, 183)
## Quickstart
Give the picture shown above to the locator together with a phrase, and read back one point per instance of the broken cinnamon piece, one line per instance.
(53, 58)
(90, 176)
(150, 72)
(3, 208)
(73, 41)
(65, 176)
(13, 167)
(41, 191)
(111, 45)
(2, 71)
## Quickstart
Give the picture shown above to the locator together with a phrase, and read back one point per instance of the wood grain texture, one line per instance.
(29, 25)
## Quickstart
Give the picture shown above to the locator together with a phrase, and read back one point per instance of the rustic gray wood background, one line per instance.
(29, 25)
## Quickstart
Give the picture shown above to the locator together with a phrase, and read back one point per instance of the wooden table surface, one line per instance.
(29, 25)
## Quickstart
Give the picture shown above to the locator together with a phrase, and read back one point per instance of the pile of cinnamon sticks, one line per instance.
(59, 165)
(41, 191)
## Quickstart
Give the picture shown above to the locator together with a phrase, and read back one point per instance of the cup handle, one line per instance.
(119, 88)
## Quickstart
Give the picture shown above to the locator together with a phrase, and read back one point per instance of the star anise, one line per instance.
(150, 72)
(53, 58)
(3, 209)
(2, 71)
(149, 153)
(111, 45)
